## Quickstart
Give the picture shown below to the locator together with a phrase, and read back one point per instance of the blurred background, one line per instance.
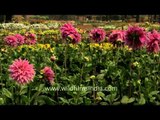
(81, 18)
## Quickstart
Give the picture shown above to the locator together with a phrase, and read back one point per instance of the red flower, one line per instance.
(11, 40)
(49, 74)
(20, 39)
(154, 43)
(30, 38)
(135, 37)
(21, 71)
(68, 31)
(117, 35)
(97, 34)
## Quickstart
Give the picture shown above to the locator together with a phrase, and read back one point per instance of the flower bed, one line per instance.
(75, 67)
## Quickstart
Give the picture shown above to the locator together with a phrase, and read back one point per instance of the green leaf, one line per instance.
(98, 98)
(110, 98)
(100, 76)
(15, 53)
(153, 93)
(2, 84)
(83, 92)
(25, 100)
(101, 94)
(124, 100)
(23, 90)
(1, 101)
(132, 99)
(72, 93)
(142, 100)
(39, 76)
(57, 68)
(87, 80)
(47, 100)
(34, 96)
(40, 87)
(6, 93)
(116, 103)
(64, 100)
(89, 65)
(92, 77)
(104, 71)
(87, 101)
(104, 103)
(80, 100)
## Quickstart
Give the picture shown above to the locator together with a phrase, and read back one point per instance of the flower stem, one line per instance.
(1, 71)
(94, 92)
(29, 95)
(131, 72)
(82, 64)
(65, 59)
(119, 81)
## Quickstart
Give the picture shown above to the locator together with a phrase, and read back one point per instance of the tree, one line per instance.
(154, 20)
(8, 18)
(2, 18)
(159, 18)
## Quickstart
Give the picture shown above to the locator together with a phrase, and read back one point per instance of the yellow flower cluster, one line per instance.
(103, 46)
(50, 32)
(47, 47)
(127, 48)
(36, 47)
(75, 46)
(23, 31)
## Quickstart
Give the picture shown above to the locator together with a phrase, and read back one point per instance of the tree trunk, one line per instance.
(122, 18)
(149, 18)
(125, 18)
(110, 18)
(137, 18)
(154, 19)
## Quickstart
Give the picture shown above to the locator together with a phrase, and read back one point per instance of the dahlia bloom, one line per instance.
(49, 74)
(116, 35)
(20, 39)
(21, 71)
(97, 34)
(154, 42)
(30, 38)
(68, 31)
(135, 37)
(11, 40)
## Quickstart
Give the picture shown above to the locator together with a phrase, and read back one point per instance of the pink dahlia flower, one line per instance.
(11, 40)
(20, 39)
(30, 38)
(154, 42)
(116, 36)
(68, 31)
(21, 71)
(49, 74)
(135, 37)
(97, 34)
